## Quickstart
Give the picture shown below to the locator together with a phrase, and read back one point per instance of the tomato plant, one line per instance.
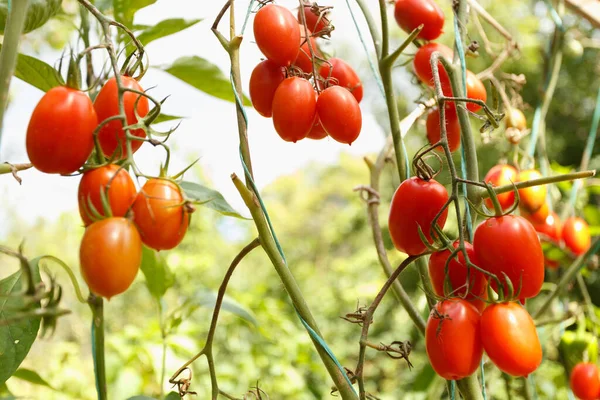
(452, 128)
(277, 34)
(551, 226)
(585, 381)
(422, 65)
(410, 14)
(316, 23)
(317, 132)
(576, 235)
(339, 72)
(500, 175)
(339, 114)
(531, 198)
(304, 60)
(475, 91)
(264, 81)
(294, 109)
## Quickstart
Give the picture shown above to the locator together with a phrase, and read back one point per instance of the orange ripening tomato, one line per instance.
(537, 217)
(264, 81)
(475, 91)
(434, 131)
(277, 34)
(117, 185)
(422, 65)
(110, 256)
(551, 227)
(60, 135)
(453, 339)
(531, 198)
(160, 214)
(415, 204)
(576, 235)
(510, 339)
(339, 114)
(111, 135)
(585, 382)
(410, 14)
(304, 61)
(500, 175)
(342, 74)
(294, 109)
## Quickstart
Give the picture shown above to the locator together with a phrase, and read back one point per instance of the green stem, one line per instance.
(10, 51)
(163, 335)
(97, 305)
(372, 26)
(469, 388)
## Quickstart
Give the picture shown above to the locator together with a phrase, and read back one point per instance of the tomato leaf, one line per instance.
(31, 377)
(159, 277)
(209, 299)
(209, 198)
(37, 73)
(38, 13)
(16, 338)
(172, 396)
(165, 28)
(204, 76)
(165, 117)
(124, 10)
(424, 379)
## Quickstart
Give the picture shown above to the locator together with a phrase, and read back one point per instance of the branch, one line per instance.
(97, 306)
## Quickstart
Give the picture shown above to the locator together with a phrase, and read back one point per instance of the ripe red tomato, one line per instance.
(510, 339)
(339, 114)
(453, 339)
(160, 215)
(510, 245)
(500, 175)
(434, 133)
(537, 217)
(585, 382)
(110, 255)
(475, 91)
(422, 65)
(551, 227)
(313, 22)
(576, 234)
(60, 132)
(303, 61)
(344, 75)
(317, 132)
(457, 273)
(410, 14)
(111, 135)
(294, 108)
(414, 204)
(532, 198)
(115, 182)
(277, 34)
(264, 81)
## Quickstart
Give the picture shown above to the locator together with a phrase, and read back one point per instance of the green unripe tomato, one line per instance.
(38, 13)
(574, 346)
(573, 48)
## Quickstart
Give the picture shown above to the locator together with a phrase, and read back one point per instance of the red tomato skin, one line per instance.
(452, 128)
(303, 61)
(510, 244)
(475, 91)
(110, 256)
(277, 34)
(264, 81)
(410, 14)
(60, 133)
(500, 175)
(510, 339)
(457, 271)
(453, 344)
(312, 20)
(576, 234)
(317, 132)
(537, 217)
(159, 214)
(531, 198)
(112, 135)
(294, 109)
(121, 191)
(585, 382)
(339, 114)
(415, 203)
(422, 65)
(551, 227)
(344, 74)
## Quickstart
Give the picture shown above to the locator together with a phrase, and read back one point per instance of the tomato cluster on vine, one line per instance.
(307, 95)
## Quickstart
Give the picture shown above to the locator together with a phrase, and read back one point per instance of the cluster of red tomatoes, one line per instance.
(306, 95)
(118, 218)
(585, 381)
(410, 14)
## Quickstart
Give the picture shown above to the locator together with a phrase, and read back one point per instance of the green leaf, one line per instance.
(204, 76)
(37, 73)
(16, 338)
(209, 299)
(424, 379)
(165, 117)
(209, 198)
(31, 377)
(165, 28)
(143, 398)
(172, 396)
(159, 277)
(124, 10)
(38, 13)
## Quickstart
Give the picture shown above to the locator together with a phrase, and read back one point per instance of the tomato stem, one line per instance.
(96, 304)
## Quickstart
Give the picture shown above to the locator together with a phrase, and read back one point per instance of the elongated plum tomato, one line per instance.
(313, 21)
(112, 135)
(115, 182)
(277, 34)
(415, 204)
(317, 132)
(294, 108)
(537, 217)
(475, 91)
(457, 274)
(500, 175)
(304, 61)
(584, 381)
(343, 75)
(453, 339)
(264, 81)
(339, 114)
(110, 255)
(410, 14)
(551, 227)
(422, 65)
(60, 133)
(576, 234)
(509, 245)
(510, 339)
(531, 198)
(159, 214)
(452, 128)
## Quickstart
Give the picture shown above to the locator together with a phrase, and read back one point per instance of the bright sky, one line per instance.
(209, 132)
